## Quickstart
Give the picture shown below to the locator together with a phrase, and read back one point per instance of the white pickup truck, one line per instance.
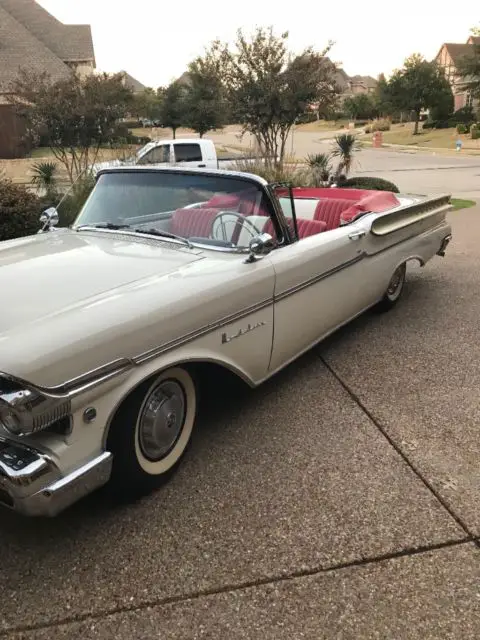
(188, 152)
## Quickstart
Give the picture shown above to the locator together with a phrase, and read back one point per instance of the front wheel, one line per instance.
(151, 431)
(394, 289)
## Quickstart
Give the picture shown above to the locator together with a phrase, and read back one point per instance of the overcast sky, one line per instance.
(155, 39)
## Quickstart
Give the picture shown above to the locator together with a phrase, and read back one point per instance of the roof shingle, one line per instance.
(20, 49)
(68, 42)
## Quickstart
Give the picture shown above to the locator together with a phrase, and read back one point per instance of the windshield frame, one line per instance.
(276, 214)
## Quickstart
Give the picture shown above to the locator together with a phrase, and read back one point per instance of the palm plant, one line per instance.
(320, 167)
(344, 147)
(44, 177)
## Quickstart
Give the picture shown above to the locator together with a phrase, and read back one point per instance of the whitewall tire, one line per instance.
(151, 432)
(394, 290)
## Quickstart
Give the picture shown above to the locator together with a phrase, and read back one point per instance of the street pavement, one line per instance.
(339, 500)
(413, 171)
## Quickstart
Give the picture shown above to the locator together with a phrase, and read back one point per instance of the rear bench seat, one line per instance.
(329, 210)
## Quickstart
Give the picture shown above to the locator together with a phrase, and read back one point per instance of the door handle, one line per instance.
(201, 165)
(355, 235)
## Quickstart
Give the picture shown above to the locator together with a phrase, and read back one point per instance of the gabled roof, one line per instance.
(474, 40)
(456, 50)
(132, 83)
(20, 49)
(366, 81)
(69, 42)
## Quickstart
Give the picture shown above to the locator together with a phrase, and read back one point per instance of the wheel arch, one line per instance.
(202, 370)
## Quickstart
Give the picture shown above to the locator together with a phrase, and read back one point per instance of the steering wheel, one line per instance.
(249, 226)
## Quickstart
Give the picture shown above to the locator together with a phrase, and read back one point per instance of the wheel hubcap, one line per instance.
(396, 282)
(161, 419)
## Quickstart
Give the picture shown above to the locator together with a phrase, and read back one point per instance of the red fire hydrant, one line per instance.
(377, 139)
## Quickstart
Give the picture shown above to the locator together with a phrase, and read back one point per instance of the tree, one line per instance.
(148, 104)
(269, 88)
(383, 98)
(418, 85)
(468, 67)
(172, 111)
(74, 117)
(205, 101)
(361, 105)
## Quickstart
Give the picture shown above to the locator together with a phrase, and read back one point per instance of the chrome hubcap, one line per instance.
(395, 282)
(161, 419)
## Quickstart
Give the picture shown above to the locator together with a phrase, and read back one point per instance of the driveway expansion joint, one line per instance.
(242, 586)
(398, 449)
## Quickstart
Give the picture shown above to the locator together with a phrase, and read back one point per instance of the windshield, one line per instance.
(214, 210)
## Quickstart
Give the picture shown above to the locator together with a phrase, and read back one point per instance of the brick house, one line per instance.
(447, 57)
(32, 39)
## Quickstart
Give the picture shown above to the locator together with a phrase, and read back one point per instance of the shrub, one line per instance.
(19, 211)
(309, 116)
(461, 128)
(379, 124)
(290, 172)
(369, 183)
(475, 132)
(438, 124)
(464, 115)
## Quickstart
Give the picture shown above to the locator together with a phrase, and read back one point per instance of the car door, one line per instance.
(158, 156)
(188, 154)
(321, 283)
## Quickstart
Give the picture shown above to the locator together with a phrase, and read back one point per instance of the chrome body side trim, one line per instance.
(156, 351)
(81, 383)
(95, 377)
(311, 281)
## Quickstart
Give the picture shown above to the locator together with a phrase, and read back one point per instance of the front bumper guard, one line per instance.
(31, 483)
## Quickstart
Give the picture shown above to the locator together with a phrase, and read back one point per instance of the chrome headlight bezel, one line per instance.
(24, 409)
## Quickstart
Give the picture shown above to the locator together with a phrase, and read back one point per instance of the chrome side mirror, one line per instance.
(49, 219)
(260, 245)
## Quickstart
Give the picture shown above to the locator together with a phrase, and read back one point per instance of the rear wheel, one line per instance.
(394, 290)
(151, 432)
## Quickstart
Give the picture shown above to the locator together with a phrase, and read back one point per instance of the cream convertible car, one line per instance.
(166, 276)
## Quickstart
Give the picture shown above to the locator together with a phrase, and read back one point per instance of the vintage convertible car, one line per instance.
(168, 277)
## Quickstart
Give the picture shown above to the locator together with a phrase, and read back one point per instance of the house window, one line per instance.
(469, 100)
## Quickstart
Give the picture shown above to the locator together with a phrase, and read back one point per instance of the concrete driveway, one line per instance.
(340, 500)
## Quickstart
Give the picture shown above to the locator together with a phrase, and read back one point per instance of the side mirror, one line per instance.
(260, 245)
(49, 219)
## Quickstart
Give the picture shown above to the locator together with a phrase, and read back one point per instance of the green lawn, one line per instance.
(402, 134)
(459, 203)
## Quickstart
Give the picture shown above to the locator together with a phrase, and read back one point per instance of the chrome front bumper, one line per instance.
(32, 484)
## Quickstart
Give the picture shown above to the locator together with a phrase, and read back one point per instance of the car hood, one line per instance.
(48, 274)
(73, 301)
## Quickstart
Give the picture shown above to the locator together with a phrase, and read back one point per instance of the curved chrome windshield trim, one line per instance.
(247, 177)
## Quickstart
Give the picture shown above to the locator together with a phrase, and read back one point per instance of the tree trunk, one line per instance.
(173, 132)
(417, 119)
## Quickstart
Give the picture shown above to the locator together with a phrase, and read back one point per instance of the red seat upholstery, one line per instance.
(305, 227)
(329, 211)
(223, 201)
(193, 222)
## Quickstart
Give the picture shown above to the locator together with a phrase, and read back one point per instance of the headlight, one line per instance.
(25, 410)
